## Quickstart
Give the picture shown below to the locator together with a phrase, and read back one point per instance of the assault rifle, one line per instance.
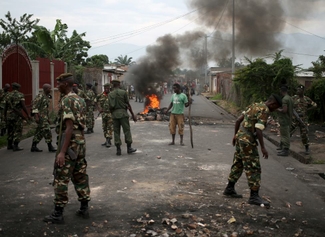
(302, 123)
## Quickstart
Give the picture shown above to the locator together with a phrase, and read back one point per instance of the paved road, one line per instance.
(161, 181)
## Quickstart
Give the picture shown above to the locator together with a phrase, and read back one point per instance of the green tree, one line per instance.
(123, 60)
(57, 45)
(317, 90)
(97, 61)
(259, 79)
(18, 30)
(4, 41)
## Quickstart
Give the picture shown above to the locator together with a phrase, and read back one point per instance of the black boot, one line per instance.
(284, 152)
(307, 151)
(56, 217)
(83, 211)
(108, 142)
(118, 150)
(230, 191)
(35, 148)
(280, 147)
(92, 130)
(105, 143)
(51, 148)
(130, 149)
(255, 199)
(10, 146)
(88, 131)
(16, 147)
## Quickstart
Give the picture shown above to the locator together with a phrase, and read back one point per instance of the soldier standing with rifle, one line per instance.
(301, 105)
(15, 102)
(70, 162)
(40, 111)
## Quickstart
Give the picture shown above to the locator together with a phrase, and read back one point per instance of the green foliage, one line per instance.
(18, 30)
(217, 97)
(258, 80)
(317, 93)
(97, 61)
(123, 60)
(319, 67)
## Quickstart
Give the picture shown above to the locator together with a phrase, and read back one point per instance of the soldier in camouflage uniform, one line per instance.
(40, 111)
(91, 105)
(246, 157)
(70, 162)
(301, 104)
(15, 102)
(118, 105)
(107, 120)
(3, 93)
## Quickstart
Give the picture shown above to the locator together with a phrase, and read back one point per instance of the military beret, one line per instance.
(107, 85)
(301, 87)
(15, 85)
(89, 84)
(64, 77)
(116, 80)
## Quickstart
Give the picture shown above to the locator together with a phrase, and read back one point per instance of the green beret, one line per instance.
(15, 85)
(64, 77)
(116, 80)
(107, 85)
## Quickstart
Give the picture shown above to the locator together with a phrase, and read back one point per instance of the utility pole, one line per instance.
(233, 39)
(206, 60)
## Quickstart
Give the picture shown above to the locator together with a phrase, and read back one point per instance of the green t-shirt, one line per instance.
(179, 101)
(285, 119)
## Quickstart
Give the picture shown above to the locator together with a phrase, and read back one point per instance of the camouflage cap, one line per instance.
(15, 85)
(107, 85)
(64, 77)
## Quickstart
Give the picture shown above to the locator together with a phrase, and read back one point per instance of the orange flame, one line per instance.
(152, 101)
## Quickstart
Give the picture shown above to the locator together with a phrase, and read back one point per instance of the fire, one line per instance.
(152, 101)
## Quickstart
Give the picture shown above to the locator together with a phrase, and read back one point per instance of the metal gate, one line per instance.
(16, 67)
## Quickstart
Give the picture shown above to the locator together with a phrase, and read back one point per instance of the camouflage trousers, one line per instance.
(303, 130)
(43, 130)
(76, 171)
(2, 119)
(90, 119)
(15, 129)
(246, 158)
(107, 125)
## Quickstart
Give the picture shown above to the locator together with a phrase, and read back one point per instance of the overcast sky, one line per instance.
(109, 22)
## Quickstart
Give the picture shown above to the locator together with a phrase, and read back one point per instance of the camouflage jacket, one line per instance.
(73, 107)
(103, 102)
(13, 104)
(255, 116)
(41, 106)
(3, 95)
(91, 98)
(302, 104)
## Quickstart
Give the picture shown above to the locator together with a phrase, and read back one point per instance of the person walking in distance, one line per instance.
(245, 140)
(40, 111)
(91, 102)
(15, 103)
(107, 120)
(70, 162)
(301, 105)
(285, 114)
(118, 105)
(178, 102)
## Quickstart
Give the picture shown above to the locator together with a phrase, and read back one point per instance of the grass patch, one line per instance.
(216, 97)
(230, 107)
(318, 162)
